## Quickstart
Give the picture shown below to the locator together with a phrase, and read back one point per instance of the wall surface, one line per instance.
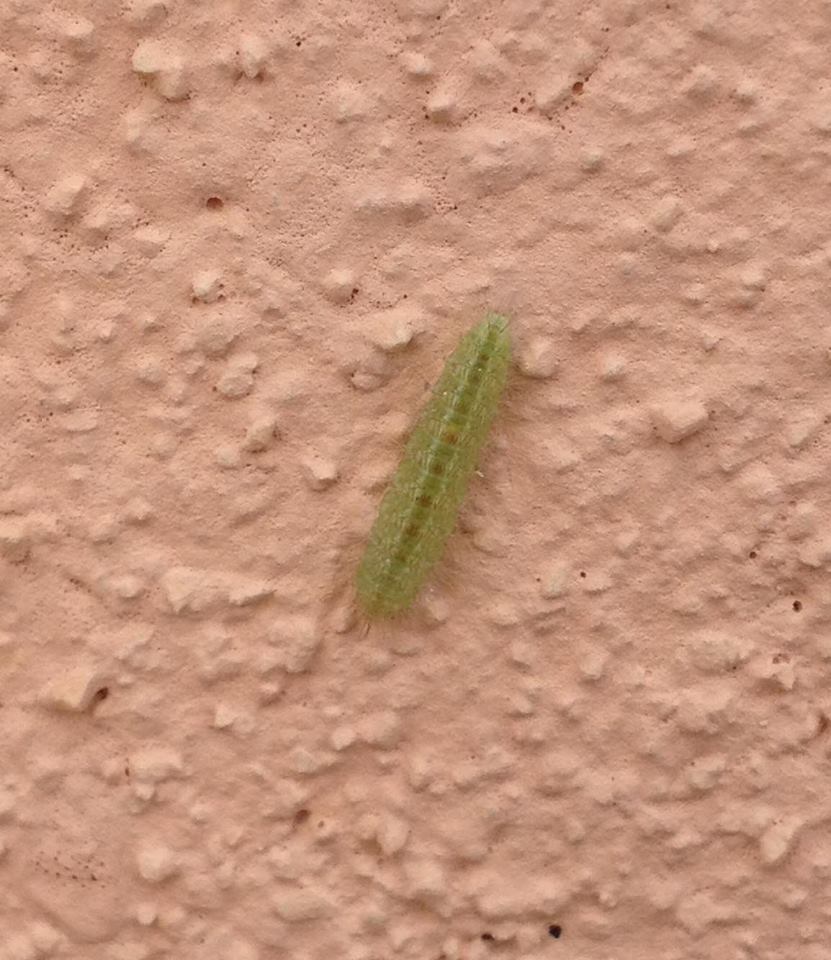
(238, 240)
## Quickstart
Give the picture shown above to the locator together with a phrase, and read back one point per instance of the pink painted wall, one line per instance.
(239, 239)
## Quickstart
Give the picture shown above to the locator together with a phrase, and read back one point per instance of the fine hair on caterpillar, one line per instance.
(420, 507)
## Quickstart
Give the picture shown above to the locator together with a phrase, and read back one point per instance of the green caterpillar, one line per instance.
(419, 509)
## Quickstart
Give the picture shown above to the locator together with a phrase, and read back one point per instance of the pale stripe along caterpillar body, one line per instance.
(419, 509)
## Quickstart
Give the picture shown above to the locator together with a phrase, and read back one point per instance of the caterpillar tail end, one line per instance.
(497, 321)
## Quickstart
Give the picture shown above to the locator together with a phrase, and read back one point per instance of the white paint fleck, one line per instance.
(75, 690)
(156, 862)
(675, 420)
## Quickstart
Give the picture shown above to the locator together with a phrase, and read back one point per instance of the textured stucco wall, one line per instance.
(238, 240)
